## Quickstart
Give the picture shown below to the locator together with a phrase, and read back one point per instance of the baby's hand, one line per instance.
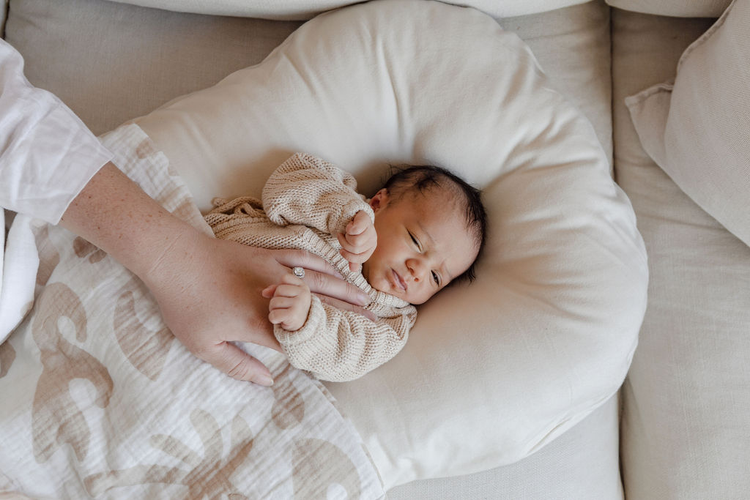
(290, 303)
(359, 240)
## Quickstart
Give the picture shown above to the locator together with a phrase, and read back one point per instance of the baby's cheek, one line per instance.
(424, 297)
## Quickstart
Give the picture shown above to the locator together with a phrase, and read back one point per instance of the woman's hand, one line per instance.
(208, 290)
(210, 293)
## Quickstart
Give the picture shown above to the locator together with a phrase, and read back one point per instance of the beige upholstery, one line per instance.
(572, 46)
(676, 8)
(695, 126)
(307, 9)
(684, 425)
(3, 13)
(141, 57)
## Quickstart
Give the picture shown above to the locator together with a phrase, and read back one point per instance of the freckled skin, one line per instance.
(421, 236)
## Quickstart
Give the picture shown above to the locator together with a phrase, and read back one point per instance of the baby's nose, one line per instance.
(417, 269)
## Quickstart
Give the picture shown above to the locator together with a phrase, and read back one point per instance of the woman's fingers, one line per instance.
(237, 364)
(336, 288)
(321, 277)
(306, 260)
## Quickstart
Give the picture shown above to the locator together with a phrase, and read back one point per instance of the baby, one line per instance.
(423, 230)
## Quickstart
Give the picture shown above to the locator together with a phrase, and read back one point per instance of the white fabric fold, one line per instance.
(19, 264)
(47, 156)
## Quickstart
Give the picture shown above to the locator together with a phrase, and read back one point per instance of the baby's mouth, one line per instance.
(400, 283)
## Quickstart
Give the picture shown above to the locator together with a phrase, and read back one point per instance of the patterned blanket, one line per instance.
(98, 399)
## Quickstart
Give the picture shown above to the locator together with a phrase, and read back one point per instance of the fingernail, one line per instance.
(265, 380)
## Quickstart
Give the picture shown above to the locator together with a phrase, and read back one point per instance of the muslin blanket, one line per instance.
(98, 399)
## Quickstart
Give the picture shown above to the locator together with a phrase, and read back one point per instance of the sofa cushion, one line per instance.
(307, 9)
(3, 14)
(113, 62)
(697, 128)
(685, 400)
(494, 370)
(676, 8)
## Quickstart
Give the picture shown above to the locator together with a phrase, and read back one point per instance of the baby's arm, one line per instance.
(339, 345)
(309, 191)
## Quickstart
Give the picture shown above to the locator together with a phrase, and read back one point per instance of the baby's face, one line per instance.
(423, 244)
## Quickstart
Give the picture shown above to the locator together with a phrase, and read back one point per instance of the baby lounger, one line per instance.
(494, 370)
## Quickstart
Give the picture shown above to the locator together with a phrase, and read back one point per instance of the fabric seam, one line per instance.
(705, 36)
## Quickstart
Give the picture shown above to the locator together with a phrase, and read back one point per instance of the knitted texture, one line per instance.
(306, 202)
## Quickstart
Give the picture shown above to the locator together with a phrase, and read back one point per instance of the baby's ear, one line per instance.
(380, 200)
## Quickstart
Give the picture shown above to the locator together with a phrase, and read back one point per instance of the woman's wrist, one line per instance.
(113, 213)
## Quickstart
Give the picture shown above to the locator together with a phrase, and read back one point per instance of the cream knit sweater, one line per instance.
(306, 202)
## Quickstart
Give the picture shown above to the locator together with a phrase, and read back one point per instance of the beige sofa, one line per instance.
(678, 428)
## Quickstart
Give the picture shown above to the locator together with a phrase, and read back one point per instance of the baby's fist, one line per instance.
(358, 241)
(290, 303)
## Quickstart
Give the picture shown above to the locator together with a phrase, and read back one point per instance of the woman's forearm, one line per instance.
(113, 213)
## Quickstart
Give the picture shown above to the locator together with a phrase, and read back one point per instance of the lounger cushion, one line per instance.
(495, 369)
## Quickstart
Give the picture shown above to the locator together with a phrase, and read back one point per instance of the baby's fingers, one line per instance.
(357, 244)
(281, 303)
(290, 286)
(268, 291)
(355, 258)
(289, 312)
(359, 223)
(279, 316)
(363, 240)
(285, 290)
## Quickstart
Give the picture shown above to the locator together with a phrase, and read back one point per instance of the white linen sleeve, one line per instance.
(47, 154)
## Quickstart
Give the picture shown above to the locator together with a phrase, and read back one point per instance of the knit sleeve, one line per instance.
(339, 346)
(309, 191)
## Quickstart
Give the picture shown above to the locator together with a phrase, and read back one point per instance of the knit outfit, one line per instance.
(306, 203)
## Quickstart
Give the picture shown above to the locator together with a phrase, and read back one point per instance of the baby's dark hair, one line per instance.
(422, 178)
